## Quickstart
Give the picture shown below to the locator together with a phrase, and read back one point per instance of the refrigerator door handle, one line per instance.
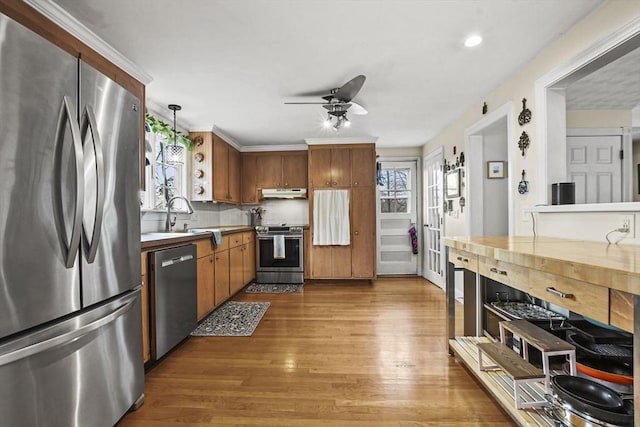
(89, 124)
(66, 117)
(75, 334)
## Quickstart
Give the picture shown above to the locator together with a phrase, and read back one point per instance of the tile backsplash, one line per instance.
(213, 214)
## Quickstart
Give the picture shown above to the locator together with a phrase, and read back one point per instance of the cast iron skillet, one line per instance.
(585, 395)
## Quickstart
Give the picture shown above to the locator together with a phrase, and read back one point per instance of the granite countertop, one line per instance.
(160, 239)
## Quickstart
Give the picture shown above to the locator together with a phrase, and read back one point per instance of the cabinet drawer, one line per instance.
(510, 274)
(463, 259)
(578, 296)
(247, 237)
(235, 239)
(204, 247)
(222, 246)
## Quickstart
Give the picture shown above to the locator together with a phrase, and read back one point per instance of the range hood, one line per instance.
(284, 193)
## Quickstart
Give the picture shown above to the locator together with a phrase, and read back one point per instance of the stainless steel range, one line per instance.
(280, 254)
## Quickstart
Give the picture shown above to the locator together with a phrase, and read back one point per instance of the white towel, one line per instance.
(331, 218)
(217, 237)
(278, 247)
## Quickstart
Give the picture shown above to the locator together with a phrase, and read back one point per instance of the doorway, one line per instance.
(489, 197)
(397, 213)
(433, 260)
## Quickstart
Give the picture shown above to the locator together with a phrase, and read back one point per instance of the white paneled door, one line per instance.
(433, 258)
(396, 215)
(594, 164)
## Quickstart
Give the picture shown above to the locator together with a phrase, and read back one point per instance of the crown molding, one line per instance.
(345, 140)
(66, 21)
(263, 148)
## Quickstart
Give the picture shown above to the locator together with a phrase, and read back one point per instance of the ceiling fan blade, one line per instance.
(322, 92)
(358, 109)
(350, 89)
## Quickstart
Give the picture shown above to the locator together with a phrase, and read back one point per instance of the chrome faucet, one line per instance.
(170, 223)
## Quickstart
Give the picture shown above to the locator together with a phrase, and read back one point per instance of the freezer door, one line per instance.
(110, 129)
(84, 371)
(41, 184)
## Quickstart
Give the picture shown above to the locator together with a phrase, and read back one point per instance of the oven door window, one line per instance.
(291, 252)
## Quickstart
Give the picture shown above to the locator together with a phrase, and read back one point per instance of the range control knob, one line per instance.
(199, 189)
(198, 173)
(198, 157)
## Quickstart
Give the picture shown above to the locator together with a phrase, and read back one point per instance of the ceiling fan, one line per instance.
(338, 101)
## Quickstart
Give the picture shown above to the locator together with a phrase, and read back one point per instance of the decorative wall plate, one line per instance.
(525, 114)
(524, 142)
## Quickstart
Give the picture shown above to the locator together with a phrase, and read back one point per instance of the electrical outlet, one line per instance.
(627, 223)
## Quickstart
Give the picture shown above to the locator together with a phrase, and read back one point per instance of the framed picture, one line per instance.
(452, 181)
(496, 169)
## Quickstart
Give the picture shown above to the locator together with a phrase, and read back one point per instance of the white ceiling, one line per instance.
(232, 64)
(616, 86)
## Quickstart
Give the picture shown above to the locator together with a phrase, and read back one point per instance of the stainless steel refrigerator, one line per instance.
(70, 317)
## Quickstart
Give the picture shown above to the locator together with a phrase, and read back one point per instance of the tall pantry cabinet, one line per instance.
(351, 167)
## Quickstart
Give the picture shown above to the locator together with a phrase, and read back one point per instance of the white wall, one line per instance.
(610, 16)
(495, 191)
(598, 118)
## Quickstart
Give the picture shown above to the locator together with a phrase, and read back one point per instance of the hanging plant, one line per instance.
(160, 127)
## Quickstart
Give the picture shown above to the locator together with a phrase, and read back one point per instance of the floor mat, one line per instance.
(274, 288)
(232, 319)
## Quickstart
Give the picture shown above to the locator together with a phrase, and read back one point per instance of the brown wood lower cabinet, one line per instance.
(221, 261)
(205, 272)
(331, 262)
(235, 269)
(206, 301)
(144, 300)
(248, 257)
(363, 232)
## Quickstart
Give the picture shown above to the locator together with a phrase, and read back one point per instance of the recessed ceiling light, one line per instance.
(473, 40)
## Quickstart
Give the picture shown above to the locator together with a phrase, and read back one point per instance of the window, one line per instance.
(170, 167)
(395, 190)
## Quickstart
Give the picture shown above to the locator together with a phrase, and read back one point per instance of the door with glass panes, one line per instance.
(396, 204)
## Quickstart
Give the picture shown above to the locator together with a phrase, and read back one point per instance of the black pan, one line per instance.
(623, 418)
(585, 393)
(605, 351)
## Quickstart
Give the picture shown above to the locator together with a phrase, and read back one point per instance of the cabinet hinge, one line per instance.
(621, 154)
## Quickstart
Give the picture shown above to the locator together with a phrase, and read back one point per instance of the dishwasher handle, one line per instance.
(176, 260)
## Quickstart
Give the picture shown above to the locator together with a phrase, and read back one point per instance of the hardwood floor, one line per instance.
(338, 354)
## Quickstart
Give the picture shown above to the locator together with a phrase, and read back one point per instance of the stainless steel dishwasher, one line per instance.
(173, 296)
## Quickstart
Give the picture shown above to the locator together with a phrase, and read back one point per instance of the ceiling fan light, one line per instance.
(347, 123)
(473, 40)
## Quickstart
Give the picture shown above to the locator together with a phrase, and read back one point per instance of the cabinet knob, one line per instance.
(198, 157)
(199, 189)
(334, 183)
(356, 233)
(198, 173)
(326, 183)
(355, 183)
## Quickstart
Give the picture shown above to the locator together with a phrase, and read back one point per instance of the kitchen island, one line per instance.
(592, 279)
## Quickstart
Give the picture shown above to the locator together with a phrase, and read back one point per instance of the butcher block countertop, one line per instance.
(611, 266)
(163, 239)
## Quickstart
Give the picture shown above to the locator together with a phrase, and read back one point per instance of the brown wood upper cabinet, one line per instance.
(287, 169)
(329, 167)
(216, 169)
